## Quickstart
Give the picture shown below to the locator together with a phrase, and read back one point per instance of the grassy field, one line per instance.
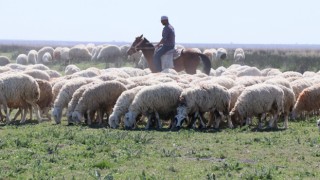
(45, 151)
(49, 151)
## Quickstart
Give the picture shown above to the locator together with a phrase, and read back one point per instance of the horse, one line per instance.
(188, 60)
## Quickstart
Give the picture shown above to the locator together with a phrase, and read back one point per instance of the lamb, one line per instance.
(122, 106)
(257, 100)
(22, 59)
(70, 69)
(76, 96)
(65, 95)
(210, 97)
(161, 100)
(18, 90)
(4, 60)
(102, 96)
(38, 74)
(308, 100)
(32, 57)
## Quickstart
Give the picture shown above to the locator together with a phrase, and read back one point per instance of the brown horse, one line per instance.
(188, 60)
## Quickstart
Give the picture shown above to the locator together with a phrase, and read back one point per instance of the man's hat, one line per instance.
(164, 18)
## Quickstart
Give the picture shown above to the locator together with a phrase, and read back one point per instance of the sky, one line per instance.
(195, 21)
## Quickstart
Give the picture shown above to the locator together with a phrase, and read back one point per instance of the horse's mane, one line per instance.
(147, 42)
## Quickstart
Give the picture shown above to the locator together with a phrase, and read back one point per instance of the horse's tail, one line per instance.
(206, 63)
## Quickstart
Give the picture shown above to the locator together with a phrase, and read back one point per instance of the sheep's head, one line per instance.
(69, 117)
(57, 113)
(235, 117)
(318, 124)
(76, 117)
(113, 121)
(129, 120)
(181, 115)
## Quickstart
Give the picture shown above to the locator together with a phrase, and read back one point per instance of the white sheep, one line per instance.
(4, 60)
(211, 53)
(143, 63)
(18, 67)
(57, 54)
(100, 97)
(38, 66)
(122, 106)
(79, 53)
(70, 69)
(65, 57)
(17, 90)
(161, 100)
(76, 96)
(257, 100)
(65, 95)
(38, 74)
(221, 54)
(110, 54)
(44, 50)
(22, 59)
(53, 73)
(46, 58)
(32, 57)
(197, 100)
(239, 55)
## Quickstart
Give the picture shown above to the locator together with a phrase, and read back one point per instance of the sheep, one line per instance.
(248, 80)
(115, 71)
(38, 66)
(308, 100)
(110, 54)
(45, 100)
(46, 58)
(279, 81)
(257, 100)
(299, 85)
(65, 57)
(318, 124)
(5, 69)
(79, 53)
(90, 72)
(102, 96)
(4, 60)
(32, 57)
(221, 54)
(44, 50)
(22, 59)
(122, 106)
(18, 67)
(70, 69)
(135, 58)
(38, 74)
(235, 92)
(239, 55)
(57, 54)
(18, 90)
(96, 51)
(270, 72)
(53, 73)
(65, 95)
(161, 100)
(76, 96)
(288, 74)
(249, 71)
(142, 64)
(197, 100)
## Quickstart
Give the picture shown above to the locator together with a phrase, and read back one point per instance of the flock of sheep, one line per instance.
(128, 96)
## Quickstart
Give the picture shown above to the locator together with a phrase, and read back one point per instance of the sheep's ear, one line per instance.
(141, 36)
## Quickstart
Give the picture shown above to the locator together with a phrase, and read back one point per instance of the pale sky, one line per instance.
(195, 21)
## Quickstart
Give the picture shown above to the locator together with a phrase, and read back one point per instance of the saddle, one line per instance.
(168, 57)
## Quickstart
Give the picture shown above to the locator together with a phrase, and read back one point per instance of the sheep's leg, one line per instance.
(23, 114)
(159, 124)
(230, 124)
(202, 124)
(5, 107)
(17, 114)
(286, 123)
(89, 122)
(37, 110)
(148, 122)
(193, 120)
(275, 122)
(271, 121)
(210, 122)
(218, 118)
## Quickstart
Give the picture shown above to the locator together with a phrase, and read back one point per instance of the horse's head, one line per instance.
(139, 43)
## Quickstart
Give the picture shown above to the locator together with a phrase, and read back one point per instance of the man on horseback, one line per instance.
(167, 42)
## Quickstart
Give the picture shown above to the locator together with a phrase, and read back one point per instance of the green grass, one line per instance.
(44, 151)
